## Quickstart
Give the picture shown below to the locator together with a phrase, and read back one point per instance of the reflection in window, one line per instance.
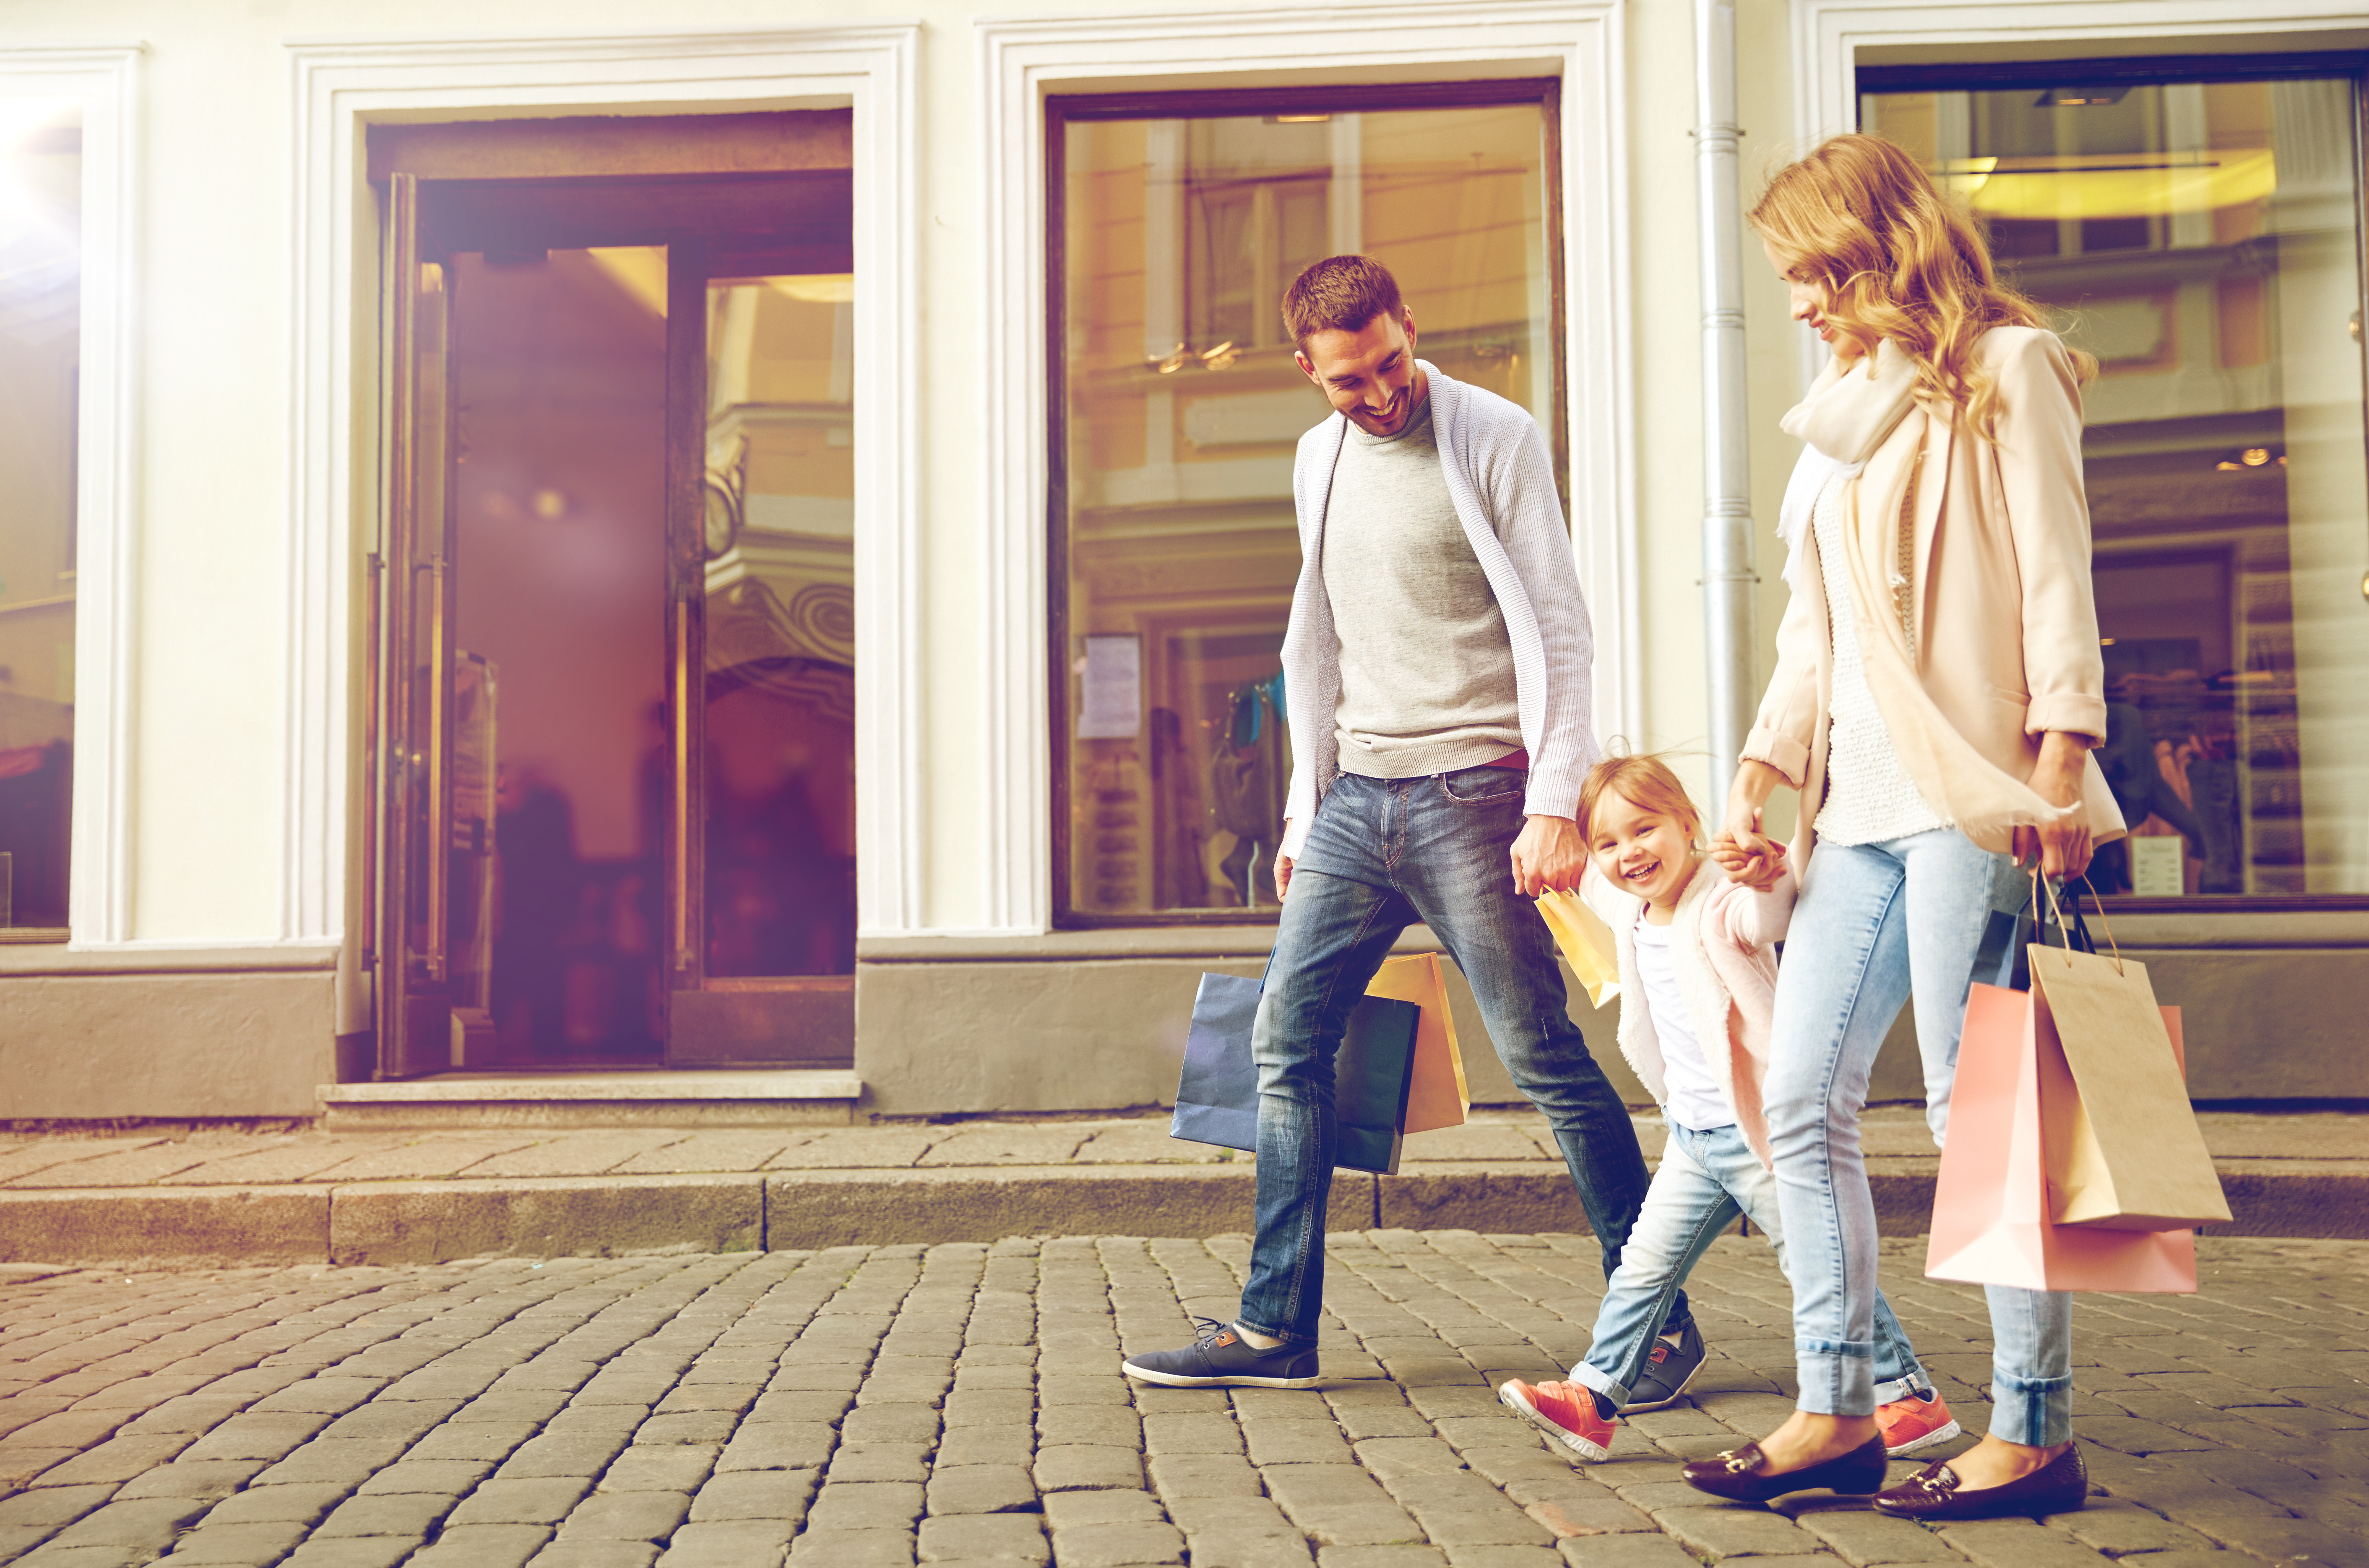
(780, 764)
(1175, 533)
(41, 297)
(2201, 239)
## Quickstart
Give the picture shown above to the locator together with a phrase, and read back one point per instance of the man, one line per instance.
(1437, 673)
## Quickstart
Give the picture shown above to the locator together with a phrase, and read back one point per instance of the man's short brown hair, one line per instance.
(1340, 293)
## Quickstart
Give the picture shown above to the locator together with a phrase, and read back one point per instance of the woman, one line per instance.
(1937, 692)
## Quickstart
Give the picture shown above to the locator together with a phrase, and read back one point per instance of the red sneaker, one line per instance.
(1911, 1425)
(1565, 1413)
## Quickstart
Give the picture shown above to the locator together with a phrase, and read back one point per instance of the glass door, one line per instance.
(612, 733)
(409, 861)
(762, 480)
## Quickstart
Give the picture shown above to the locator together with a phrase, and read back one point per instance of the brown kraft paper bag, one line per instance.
(1439, 1096)
(2123, 1147)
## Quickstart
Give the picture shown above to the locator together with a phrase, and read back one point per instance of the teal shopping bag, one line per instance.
(1217, 1092)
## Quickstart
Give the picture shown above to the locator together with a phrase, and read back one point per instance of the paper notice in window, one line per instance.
(2156, 867)
(1113, 709)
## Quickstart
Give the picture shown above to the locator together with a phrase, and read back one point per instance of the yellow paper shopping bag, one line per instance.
(1439, 1096)
(1586, 944)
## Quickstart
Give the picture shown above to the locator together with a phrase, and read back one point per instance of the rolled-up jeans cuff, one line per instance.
(1285, 1338)
(1588, 1377)
(1901, 1388)
(1837, 1376)
(2035, 1412)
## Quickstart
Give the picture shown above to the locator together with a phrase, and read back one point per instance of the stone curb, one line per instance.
(186, 1226)
(395, 1222)
(384, 1223)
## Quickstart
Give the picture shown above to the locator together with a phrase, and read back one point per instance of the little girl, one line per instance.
(1697, 979)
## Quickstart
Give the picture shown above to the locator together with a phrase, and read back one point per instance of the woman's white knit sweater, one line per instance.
(1870, 797)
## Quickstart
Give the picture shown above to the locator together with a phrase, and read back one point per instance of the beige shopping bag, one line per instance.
(1586, 944)
(2124, 1149)
(1439, 1096)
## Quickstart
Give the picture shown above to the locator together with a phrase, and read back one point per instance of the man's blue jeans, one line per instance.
(1381, 854)
(1705, 1180)
(1876, 924)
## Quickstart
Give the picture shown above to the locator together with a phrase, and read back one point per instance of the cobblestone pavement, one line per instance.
(963, 1403)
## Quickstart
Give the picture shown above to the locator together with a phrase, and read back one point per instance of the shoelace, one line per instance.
(1209, 1329)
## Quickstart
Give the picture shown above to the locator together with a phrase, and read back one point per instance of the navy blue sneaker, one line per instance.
(1222, 1359)
(1671, 1369)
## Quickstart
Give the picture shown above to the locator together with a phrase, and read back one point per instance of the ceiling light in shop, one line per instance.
(816, 288)
(2079, 98)
(2110, 185)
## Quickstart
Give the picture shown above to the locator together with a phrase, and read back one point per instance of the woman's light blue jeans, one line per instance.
(1875, 926)
(1706, 1179)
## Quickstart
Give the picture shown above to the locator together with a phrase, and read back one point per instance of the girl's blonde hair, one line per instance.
(1645, 782)
(1899, 260)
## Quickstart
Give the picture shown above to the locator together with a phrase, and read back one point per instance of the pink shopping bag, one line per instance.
(1991, 1205)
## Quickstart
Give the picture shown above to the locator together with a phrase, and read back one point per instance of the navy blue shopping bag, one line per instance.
(2004, 960)
(1217, 1092)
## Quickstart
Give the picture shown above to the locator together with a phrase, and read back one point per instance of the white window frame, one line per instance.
(106, 82)
(340, 88)
(1020, 63)
(1828, 36)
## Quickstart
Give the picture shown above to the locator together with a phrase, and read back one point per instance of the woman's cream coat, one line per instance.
(2005, 645)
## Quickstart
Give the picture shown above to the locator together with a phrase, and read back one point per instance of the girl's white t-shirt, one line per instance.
(1690, 1095)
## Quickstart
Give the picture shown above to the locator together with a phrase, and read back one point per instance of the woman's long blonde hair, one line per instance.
(1898, 260)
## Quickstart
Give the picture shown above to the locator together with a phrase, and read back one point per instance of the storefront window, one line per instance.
(1174, 545)
(40, 298)
(2202, 239)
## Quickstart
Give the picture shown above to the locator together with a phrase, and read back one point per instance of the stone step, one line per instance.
(551, 1102)
(408, 1197)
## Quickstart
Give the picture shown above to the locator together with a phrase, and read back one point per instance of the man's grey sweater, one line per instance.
(1501, 480)
(1426, 669)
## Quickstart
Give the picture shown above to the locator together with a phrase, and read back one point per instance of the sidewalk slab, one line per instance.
(426, 1197)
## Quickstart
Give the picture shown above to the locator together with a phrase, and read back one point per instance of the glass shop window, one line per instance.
(2203, 239)
(41, 337)
(1174, 547)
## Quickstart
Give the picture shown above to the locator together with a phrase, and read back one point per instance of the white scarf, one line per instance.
(1844, 417)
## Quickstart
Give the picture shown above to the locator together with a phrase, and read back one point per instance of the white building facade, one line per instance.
(535, 548)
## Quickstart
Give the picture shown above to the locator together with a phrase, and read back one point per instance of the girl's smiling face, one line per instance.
(1649, 854)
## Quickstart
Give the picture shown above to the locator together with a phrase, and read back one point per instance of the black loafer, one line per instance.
(1734, 1475)
(1934, 1493)
(1222, 1358)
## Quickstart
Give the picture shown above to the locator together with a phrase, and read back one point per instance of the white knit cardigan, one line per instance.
(1501, 480)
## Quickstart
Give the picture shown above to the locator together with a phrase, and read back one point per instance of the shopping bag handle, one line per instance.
(2099, 904)
(2040, 884)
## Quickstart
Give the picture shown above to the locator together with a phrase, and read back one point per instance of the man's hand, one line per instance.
(1548, 854)
(2063, 847)
(1283, 868)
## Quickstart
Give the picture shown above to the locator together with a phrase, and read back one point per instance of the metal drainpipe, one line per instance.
(1728, 577)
